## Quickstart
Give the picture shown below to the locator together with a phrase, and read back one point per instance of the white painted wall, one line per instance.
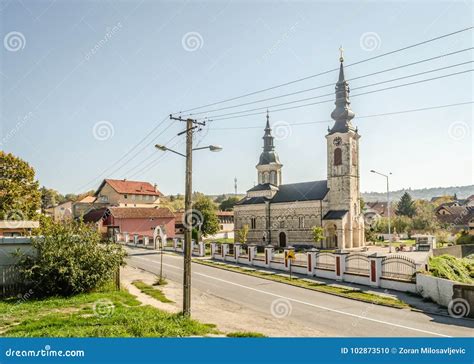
(438, 289)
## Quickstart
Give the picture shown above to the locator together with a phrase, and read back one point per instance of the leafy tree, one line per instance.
(370, 234)
(241, 234)
(20, 197)
(424, 219)
(205, 208)
(406, 206)
(318, 234)
(228, 204)
(70, 259)
(401, 224)
(464, 238)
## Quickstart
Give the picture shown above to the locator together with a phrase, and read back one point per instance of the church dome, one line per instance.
(268, 157)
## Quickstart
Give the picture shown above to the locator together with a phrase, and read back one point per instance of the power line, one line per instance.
(332, 84)
(355, 95)
(328, 71)
(106, 170)
(357, 117)
(218, 117)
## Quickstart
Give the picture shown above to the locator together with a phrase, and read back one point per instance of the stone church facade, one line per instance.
(285, 214)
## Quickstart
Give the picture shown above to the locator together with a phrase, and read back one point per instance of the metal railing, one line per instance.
(399, 267)
(357, 264)
(326, 261)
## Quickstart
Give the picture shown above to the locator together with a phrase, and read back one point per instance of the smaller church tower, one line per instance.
(269, 166)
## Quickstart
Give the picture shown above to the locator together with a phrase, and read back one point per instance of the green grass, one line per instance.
(160, 282)
(121, 316)
(338, 291)
(245, 334)
(449, 267)
(151, 291)
(220, 240)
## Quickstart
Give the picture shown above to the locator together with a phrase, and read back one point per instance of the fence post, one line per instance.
(311, 263)
(340, 264)
(268, 254)
(252, 248)
(375, 269)
(202, 249)
(224, 250)
(237, 251)
(175, 244)
(285, 255)
(213, 249)
(146, 240)
(127, 237)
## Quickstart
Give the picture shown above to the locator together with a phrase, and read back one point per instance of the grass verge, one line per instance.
(98, 314)
(151, 291)
(338, 291)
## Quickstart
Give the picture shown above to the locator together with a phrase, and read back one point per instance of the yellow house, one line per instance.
(124, 193)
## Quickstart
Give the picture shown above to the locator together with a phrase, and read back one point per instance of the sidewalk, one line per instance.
(208, 308)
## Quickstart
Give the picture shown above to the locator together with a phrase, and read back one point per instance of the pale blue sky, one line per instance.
(79, 63)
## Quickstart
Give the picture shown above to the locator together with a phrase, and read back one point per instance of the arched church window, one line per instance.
(337, 156)
(273, 177)
(265, 177)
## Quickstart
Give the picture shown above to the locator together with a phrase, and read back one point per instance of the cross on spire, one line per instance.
(341, 52)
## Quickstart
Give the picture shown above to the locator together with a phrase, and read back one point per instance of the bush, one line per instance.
(464, 238)
(449, 267)
(70, 259)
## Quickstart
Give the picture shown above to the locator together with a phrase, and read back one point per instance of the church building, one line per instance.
(285, 214)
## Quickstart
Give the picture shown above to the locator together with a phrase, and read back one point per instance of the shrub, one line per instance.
(452, 268)
(464, 238)
(70, 259)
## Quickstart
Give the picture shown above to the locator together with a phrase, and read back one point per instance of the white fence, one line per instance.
(396, 272)
(175, 245)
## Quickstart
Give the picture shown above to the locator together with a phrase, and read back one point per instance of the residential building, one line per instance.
(17, 228)
(124, 193)
(455, 217)
(285, 214)
(61, 212)
(84, 205)
(139, 221)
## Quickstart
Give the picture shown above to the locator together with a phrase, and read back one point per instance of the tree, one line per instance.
(424, 219)
(406, 206)
(204, 209)
(318, 234)
(71, 259)
(228, 204)
(20, 197)
(241, 234)
(401, 224)
(362, 204)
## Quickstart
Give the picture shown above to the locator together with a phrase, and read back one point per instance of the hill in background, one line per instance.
(421, 194)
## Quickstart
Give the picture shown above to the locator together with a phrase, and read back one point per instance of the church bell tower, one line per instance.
(343, 164)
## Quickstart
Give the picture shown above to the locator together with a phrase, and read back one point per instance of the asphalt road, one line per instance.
(332, 315)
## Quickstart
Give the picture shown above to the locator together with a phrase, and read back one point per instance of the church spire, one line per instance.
(268, 137)
(342, 114)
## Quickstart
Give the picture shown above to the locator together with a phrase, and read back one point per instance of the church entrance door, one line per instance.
(282, 238)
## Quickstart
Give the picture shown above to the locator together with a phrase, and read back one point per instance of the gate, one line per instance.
(398, 267)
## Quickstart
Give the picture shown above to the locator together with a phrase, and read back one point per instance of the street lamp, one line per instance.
(188, 208)
(388, 208)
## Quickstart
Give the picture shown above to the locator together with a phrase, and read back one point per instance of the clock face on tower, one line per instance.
(337, 141)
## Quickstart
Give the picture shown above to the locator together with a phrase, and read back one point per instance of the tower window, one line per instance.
(253, 223)
(301, 222)
(337, 156)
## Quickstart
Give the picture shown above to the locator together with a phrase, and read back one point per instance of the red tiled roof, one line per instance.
(95, 215)
(140, 212)
(130, 187)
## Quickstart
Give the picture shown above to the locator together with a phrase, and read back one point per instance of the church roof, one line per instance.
(303, 191)
(263, 187)
(292, 192)
(335, 214)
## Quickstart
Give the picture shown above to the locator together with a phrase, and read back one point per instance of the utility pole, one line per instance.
(191, 124)
(235, 186)
(188, 206)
